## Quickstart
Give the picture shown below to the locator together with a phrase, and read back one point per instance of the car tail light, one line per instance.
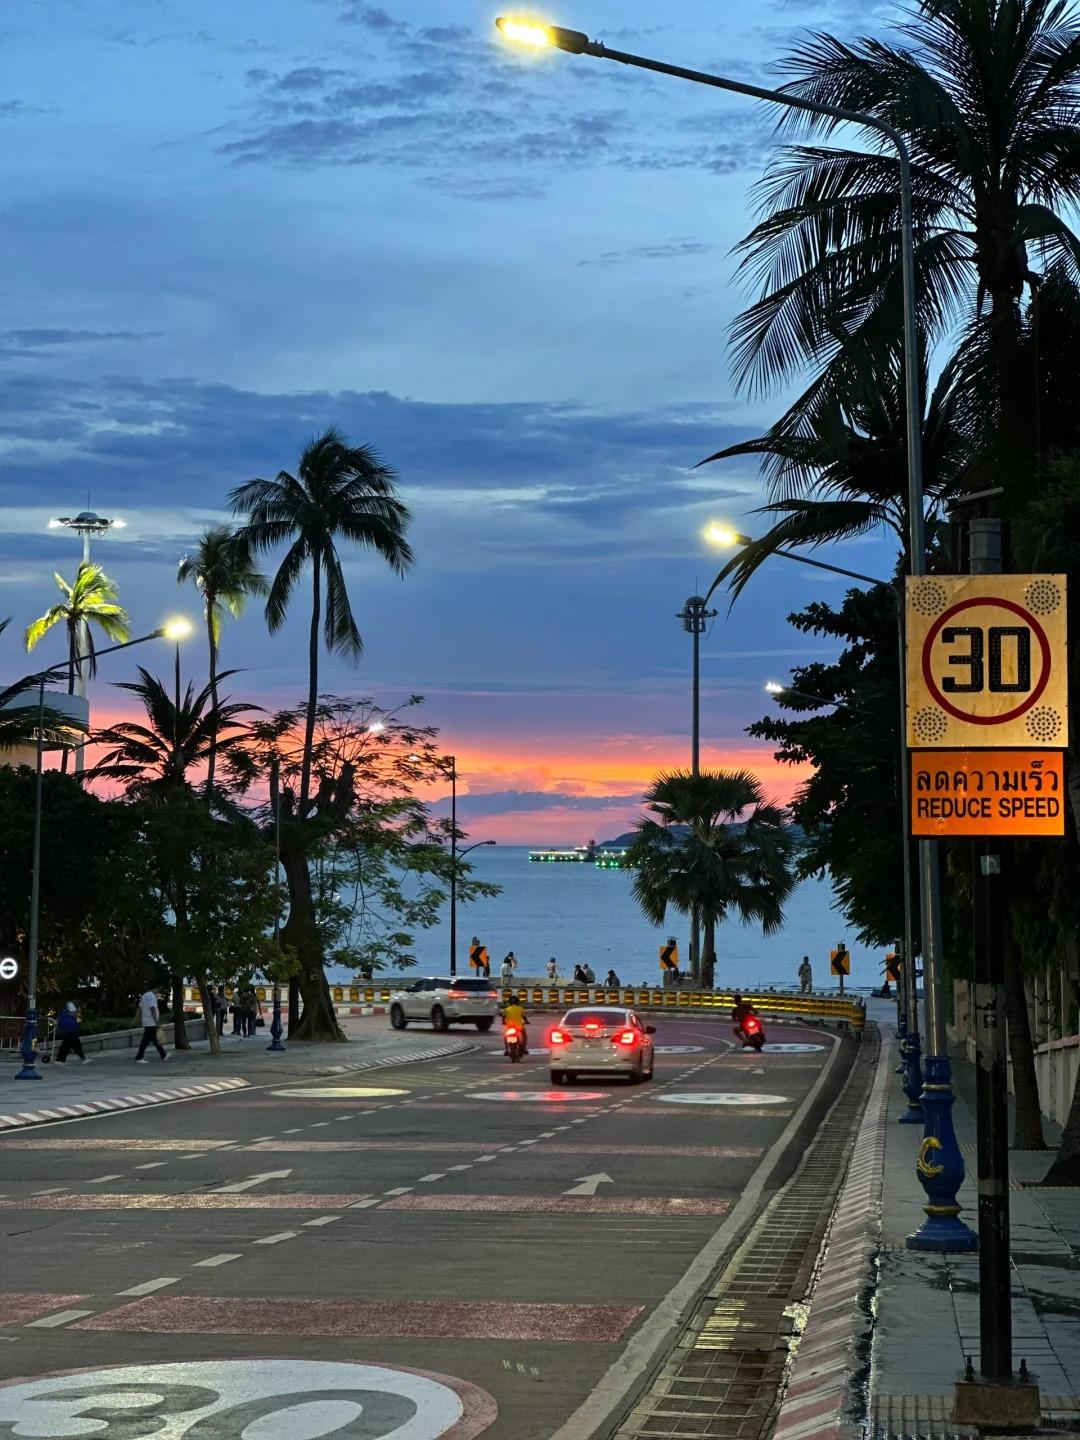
(559, 1037)
(626, 1037)
(492, 995)
(457, 994)
(593, 1027)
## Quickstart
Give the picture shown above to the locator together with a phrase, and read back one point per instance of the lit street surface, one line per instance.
(459, 1248)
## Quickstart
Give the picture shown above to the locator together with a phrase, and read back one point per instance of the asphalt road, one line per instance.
(442, 1249)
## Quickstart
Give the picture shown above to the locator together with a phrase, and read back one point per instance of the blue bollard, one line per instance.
(901, 1035)
(275, 1023)
(940, 1167)
(28, 1050)
(912, 1084)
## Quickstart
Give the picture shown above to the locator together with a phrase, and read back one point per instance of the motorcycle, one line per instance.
(751, 1033)
(514, 1043)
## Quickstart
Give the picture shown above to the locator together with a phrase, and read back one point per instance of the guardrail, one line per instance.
(845, 1010)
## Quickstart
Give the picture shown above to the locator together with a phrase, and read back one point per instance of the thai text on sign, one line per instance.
(987, 792)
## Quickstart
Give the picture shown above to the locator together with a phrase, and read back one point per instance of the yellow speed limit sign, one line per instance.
(986, 662)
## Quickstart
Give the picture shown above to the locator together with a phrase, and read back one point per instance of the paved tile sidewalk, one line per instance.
(112, 1080)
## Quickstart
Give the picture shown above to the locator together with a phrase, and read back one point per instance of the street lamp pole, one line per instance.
(28, 1049)
(453, 865)
(275, 1019)
(694, 616)
(941, 1175)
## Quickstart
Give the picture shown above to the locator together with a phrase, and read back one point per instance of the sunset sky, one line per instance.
(226, 227)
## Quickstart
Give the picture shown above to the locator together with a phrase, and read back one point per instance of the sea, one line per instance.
(578, 912)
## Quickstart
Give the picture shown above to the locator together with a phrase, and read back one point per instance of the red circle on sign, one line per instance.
(1032, 624)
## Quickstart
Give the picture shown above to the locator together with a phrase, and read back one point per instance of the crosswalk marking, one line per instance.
(62, 1317)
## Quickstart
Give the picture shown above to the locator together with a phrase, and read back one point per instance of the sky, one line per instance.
(226, 227)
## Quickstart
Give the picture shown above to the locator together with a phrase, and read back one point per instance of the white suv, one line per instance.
(444, 1002)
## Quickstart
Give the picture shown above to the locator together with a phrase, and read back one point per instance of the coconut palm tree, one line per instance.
(986, 93)
(717, 844)
(225, 575)
(340, 492)
(19, 722)
(156, 757)
(89, 600)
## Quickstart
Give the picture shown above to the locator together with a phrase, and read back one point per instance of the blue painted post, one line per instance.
(275, 1023)
(27, 1049)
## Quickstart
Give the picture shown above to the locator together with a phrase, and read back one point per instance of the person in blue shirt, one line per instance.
(67, 1027)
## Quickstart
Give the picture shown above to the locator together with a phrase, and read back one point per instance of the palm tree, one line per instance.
(716, 844)
(157, 756)
(986, 94)
(90, 600)
(340, 492)
(224, 573)
(19, 723)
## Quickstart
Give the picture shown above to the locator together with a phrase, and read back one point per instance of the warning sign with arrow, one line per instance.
(986, 662)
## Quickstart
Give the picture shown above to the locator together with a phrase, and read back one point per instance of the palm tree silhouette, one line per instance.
(340, 492)
(225, 575)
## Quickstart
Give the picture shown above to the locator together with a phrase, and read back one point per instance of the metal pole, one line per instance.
(991, 1061)
(453, 865)
(29, 1054)
(275, 1022)
(910, 1044)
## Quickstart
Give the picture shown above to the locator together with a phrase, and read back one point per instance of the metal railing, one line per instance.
(12, 1028)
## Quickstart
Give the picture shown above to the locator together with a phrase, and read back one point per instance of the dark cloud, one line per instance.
(502, 802)
(373, 17)
(41, 340)
(669, 250)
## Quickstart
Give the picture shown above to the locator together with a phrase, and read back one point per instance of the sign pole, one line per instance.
(991, 1076)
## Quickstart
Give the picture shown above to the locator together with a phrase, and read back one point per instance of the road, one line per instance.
(440, 1249)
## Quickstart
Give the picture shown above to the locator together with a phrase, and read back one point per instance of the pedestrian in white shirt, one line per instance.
(149, 1017)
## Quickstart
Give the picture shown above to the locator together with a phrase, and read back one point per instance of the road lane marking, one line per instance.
(149, 1286)
(62, 1317)
(278, 1238)
(338, 1092)
(52, 1190)
(327, 1219)
(721, 1097)
(366, 1204)
(461, 1167)
(239, 1186)
(101, 1179)
(151, 1165)
(212, 1261)
(483, 1159)
(320, 1124)
(294, 1131)
(562, 1204)
(199, 1200)
(400, 1190)
(428, 1179)
(589, 1184)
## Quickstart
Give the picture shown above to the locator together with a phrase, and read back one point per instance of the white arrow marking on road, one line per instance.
(589, 1184)
(242, 1185)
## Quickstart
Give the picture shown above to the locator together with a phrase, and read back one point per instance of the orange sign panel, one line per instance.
(987, 792)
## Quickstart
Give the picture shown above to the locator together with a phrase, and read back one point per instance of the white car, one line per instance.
(601, 1041)
(443, 1002)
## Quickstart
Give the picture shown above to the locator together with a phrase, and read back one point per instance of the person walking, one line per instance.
(149, 1014)
(806, 976)
(67, 1027)
(249, 1003)
(553, 969)
(506, 969)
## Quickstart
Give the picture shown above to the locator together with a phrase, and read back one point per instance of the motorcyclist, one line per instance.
(740, 1013)
(513, 1013)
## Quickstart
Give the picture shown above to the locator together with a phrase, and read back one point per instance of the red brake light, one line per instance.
(512, 1032)
(626, 1037)
(750, 1024)
(593, 1026)
(559, 1037)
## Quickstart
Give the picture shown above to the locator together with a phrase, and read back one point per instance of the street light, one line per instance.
(915, 1114)
(943, 1229)
(27, 1049)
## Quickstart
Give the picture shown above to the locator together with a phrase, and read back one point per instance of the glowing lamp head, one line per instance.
(724, 536)
(376, 727)
(773, 687)
(55, 524)
(178, 628)
(529, 33)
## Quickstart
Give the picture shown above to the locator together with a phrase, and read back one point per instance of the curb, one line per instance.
(835, 1342)
(25, 1118)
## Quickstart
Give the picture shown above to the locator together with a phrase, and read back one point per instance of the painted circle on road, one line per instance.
(720, 1097)
(791, 1049)
(556, 1096)
(339, 1092)
(678, 1049)
(273, 1399)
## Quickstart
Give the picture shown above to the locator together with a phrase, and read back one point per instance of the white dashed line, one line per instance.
(52, 1190)
(258, 1139)
(62, 1317)
(400, 1190)
(320, 1124)
(149, 1286)
(213, 1260)
(277, 1239)
(365, 1204)
(528, 1142)
(323, 1220)
(461, 1167)
(151, 1165)
(191, 1157)
(344, 1117)
(481, 1159)
(427, 1179)
(294, 1131)
(101, 1179)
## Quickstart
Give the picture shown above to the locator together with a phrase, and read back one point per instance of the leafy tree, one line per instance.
(735, 855)
(223, 572)
(89, 601)
(340, 492)
(19, 723)
(364, 861)
(985, 92)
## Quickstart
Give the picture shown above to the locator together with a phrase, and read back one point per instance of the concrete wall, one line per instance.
(129, 1039)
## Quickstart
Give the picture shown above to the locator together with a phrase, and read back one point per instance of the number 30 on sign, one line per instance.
(986, 662)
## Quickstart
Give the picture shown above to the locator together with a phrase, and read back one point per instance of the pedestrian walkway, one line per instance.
(889, 1329)
(112, 1081)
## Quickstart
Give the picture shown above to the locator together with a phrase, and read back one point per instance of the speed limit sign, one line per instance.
(986, 662)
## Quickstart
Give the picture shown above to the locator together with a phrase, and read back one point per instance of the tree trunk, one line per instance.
(212, 760)
(313, 685)
(72, 652)
(708, 958)
(319, 1021)
(209, 1013)
(180, 1035)
(1028, 1130)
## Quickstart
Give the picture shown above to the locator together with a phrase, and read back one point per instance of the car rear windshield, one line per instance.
(480, 986)
(610, 1019)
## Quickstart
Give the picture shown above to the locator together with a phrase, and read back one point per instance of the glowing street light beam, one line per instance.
(725, 536)
(534, 35)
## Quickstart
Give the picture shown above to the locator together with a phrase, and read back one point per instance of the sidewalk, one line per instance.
(112, 1080)
(889, 1328)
